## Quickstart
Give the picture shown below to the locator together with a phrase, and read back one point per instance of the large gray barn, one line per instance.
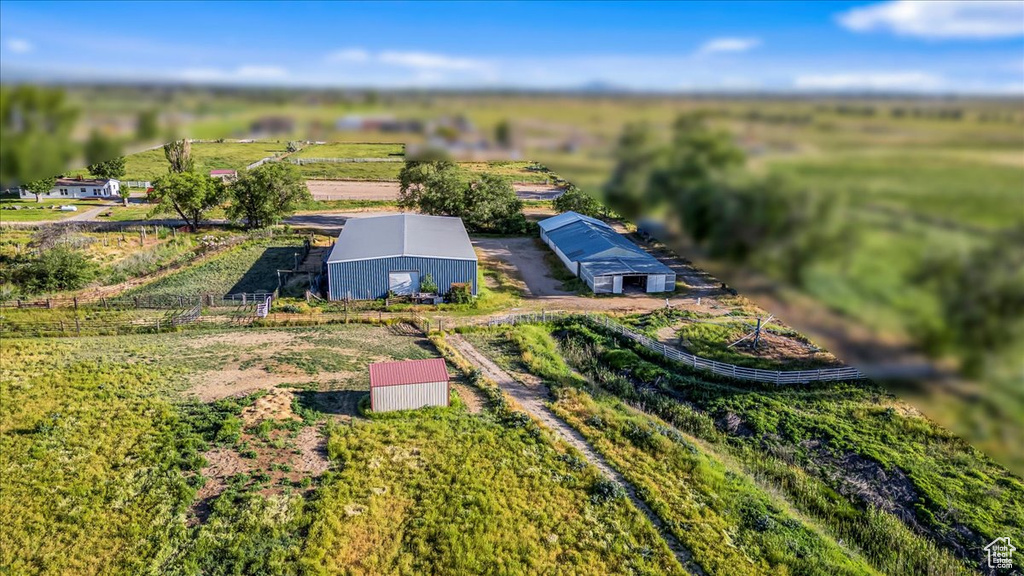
(603, 258)
(393, 253)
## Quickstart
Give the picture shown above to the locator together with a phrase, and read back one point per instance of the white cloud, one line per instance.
(244, 73)
(977, 19)
(20, 46)
(349, 55)
(258, 72)
(718, 45)
(899, 81)
(429, 61)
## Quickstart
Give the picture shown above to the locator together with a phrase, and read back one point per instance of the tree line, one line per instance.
(257, 198)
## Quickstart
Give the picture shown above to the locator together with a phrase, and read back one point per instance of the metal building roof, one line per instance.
(564, 218)
(402, 235)
(408, 372)
(599, 249)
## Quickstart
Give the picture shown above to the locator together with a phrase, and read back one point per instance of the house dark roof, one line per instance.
(408, 372)
(402, 235)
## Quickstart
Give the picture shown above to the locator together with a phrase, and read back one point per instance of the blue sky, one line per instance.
(887, 46)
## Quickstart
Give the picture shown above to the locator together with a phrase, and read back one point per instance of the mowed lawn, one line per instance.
(352, 150)
(28, 210)
(149, 454)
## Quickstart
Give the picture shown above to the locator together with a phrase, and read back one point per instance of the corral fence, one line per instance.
(778, 377)
(143, 302)
(137, 183)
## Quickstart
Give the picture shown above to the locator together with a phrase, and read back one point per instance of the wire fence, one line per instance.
(779, 377)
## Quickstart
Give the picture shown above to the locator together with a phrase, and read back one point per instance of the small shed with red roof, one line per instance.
(408, 384)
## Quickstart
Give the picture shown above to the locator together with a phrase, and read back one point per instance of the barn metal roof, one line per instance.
(600, 249)
(402, 235)
(408, 372)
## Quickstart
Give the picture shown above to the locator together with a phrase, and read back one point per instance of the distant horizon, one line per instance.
(898, 46)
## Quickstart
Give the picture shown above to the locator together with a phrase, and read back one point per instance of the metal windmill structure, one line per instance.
(755, 333)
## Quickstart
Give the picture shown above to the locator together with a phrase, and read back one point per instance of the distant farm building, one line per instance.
(223, 174)
(272, 126)
(80, 188)
(375, 256)
(408, 385)
(603, 258)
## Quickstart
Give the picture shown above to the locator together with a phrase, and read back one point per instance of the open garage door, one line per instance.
(404, 282)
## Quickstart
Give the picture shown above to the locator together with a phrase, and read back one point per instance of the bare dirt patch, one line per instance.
(526, 257)
(471, 397)
(365, 190)
(352, 190)
(230, 382)
(236, 338)
(276, 405)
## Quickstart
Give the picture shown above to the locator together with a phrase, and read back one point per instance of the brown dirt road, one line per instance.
(533, 399)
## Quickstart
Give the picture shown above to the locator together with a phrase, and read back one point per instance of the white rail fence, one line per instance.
(301, 161)
(720, 368)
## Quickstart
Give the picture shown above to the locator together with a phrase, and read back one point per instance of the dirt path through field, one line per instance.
(532, 399)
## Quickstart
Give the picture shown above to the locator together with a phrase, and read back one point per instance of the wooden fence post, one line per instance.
(78, 327)
(76, 302)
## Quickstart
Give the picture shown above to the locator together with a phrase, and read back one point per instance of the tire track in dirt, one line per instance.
(532, 399)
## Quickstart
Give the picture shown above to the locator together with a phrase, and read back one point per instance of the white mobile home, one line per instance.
(80, 188)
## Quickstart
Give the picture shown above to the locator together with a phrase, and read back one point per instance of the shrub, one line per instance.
(605, 490)
(59, 268)
(427, 284)
(461, 293)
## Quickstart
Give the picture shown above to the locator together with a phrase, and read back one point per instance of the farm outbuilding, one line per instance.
(603, 258)
(374, 256)
(408, 385)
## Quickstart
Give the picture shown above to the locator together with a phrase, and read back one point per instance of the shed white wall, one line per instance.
(408, 396)
(565, 259)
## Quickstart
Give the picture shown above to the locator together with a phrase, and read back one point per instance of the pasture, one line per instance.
(245, 452)
(351, 150)
(151, 164)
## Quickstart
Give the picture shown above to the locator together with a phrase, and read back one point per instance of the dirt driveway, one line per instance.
(527, 258)
(358, 190)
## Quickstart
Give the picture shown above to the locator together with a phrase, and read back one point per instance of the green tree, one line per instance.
(41, 186)
(179, 155)
(189, 194)
(113, 168)
(576, 200)
(503, 134)
(491, 205)
(58, 268)
(35, 133)
(637, 154)
(98, 148)
(981, 301)
(125, 193)
(432, 187)
(266, 194)
(147, 126)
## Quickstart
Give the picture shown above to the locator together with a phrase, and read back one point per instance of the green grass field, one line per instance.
(110, 448)
(28, 210)
(150, 165)
(351, 150)
(375, 171)
(858, 464)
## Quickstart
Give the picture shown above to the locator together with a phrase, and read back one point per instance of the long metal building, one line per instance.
(408, 385)
(603, 258)
(393, 253)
